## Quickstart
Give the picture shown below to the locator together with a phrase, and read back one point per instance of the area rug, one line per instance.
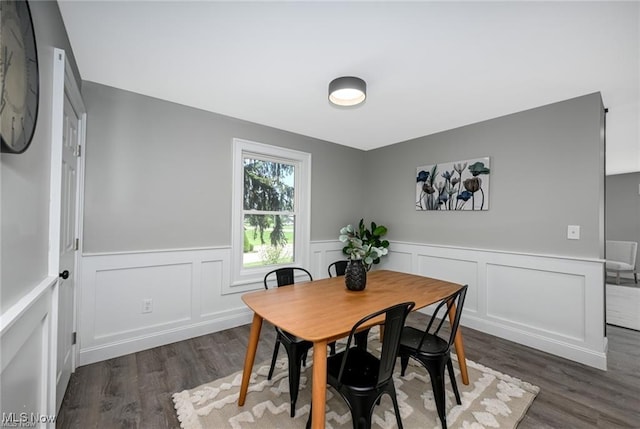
(491, 400)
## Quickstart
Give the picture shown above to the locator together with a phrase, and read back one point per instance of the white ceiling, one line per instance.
(429, 66)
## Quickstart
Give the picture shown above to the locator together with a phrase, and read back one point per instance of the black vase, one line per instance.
(355, 276)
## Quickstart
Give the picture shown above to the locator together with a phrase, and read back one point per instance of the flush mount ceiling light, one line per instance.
(347, 91)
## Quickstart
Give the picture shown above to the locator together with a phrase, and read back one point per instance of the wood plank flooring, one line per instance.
(134, 391)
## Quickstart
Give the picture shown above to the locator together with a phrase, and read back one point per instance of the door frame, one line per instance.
(63, 83)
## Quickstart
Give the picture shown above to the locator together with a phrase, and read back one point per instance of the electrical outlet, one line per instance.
(147, 305)
(573, 232)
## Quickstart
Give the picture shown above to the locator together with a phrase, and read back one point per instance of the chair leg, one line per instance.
(618, 278)
(294, 385)
(394, 399)
(275, 357)
(454, 384)
(436, 373)
(295, 361)
(308, 425)
(635, 277)
(362, 422)
(361, 412)
(404, 362)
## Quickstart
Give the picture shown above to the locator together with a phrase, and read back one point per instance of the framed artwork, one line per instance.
(448, 186)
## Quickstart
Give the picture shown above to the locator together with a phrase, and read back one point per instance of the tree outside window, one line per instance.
(269, 211)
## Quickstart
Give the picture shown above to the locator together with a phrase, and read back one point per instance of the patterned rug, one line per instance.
(491, 400)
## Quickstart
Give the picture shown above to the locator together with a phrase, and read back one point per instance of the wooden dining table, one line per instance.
(322, 311)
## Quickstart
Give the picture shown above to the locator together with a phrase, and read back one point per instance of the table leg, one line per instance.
(319, 384)
(254, 336)
(459, 345)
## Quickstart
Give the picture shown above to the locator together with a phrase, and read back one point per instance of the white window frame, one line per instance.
(241, 276)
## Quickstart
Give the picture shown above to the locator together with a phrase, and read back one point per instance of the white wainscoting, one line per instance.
(555, 304)
(27, 358)
(551, 303)
(185, 288)
(190, 291)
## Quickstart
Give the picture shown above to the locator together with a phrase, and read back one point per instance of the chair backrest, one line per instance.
(622, 251)
(442, 313)
(339, 267)
(285, 276)
(395, 316)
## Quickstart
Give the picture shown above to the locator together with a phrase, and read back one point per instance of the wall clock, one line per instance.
(19, 80)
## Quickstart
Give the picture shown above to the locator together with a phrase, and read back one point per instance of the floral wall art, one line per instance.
(461, 185)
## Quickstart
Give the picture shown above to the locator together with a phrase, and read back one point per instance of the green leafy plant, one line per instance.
(364, 243)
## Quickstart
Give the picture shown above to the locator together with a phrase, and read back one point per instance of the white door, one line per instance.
(68, 234)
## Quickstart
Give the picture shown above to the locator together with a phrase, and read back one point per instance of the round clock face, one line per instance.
(19, 82)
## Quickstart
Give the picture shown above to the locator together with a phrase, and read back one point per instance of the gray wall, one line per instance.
(158, 174)
(25, 178)
(623, 207)
(546, 173)
(158, 177)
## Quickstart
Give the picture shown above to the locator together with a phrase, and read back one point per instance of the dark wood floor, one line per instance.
(134, 391)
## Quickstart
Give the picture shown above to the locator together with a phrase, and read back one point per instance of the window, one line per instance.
(270, 209)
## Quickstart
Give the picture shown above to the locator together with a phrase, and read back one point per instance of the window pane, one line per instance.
(268, 240)
(268, 185)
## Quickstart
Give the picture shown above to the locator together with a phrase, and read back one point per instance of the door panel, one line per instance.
(68, 234)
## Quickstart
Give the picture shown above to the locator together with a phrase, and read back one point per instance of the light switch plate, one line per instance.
(573, 232)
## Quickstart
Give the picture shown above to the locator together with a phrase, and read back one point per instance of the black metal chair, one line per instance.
(296, 348)
(339, 267)
(362, 378)
(433, 351)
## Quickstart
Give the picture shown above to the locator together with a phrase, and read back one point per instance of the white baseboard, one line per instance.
(102, 352)
(596, 359)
